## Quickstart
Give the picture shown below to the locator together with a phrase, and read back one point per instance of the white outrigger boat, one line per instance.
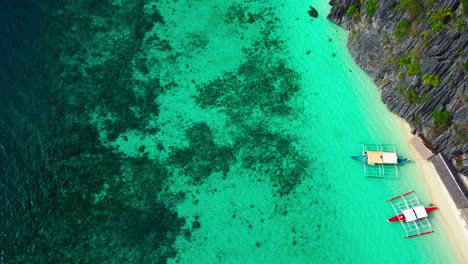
(380, 160)
(378, 157)
(411, 214)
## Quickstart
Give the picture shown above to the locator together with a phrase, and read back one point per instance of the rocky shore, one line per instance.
(416, 51)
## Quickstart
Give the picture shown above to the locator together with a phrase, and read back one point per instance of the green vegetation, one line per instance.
(460, 23)
(401, 75)
(441, 118)
(352, 11)
(461, 53)
(430, 79)
(426, 33)
(414, 68)
(438, 19)
(460, 134)
(402, 28)
(412, 97)
(417, 119)
(371, 7)
(414, 7)
(465, 66)
(464, 6)
(400, 89)
(405, 61)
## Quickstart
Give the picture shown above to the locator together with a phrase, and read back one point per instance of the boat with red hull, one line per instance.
(402, 217)
(412, 216)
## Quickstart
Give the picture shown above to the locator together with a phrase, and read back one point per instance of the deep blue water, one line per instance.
(51, 161)
(20, 23)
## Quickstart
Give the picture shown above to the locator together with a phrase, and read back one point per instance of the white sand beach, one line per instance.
(453, 223)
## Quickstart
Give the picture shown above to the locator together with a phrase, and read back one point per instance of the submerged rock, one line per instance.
(196, 225)
(313, 12)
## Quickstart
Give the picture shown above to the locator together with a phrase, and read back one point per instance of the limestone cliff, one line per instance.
(417, 53)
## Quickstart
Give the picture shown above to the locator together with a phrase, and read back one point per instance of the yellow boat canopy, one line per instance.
(379, 157)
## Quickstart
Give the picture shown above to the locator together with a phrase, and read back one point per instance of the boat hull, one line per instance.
(401, 217)
(363, 158)
(402, 160)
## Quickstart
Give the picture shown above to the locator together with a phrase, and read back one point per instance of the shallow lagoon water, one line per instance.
(201, 132)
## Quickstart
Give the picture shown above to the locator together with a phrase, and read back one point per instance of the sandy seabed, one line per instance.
(450, 217)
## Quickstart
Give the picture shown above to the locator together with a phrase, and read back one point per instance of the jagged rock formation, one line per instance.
(417, 53)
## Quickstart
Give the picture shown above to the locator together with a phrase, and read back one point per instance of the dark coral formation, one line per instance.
(312, 12)
(203, 156)
(269, 152)
(264, 85)
(260, 83)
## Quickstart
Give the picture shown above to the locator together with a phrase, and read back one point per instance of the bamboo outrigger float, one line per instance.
(380, 160)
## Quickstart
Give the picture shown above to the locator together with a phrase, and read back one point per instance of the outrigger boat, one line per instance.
(374, 157)
(380, 160)
(373, 154)
(411, 214)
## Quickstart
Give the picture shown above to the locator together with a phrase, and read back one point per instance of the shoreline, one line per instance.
(452, 223)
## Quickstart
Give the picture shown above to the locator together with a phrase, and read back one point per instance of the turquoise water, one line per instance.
(201, 132)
